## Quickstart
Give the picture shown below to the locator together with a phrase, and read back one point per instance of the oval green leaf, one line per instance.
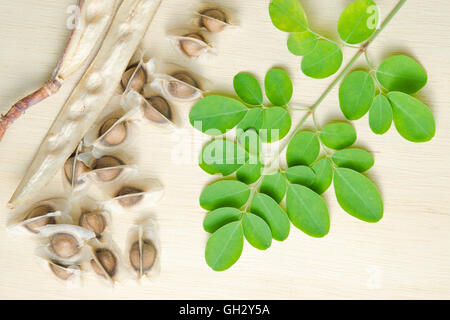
(222, 156)
(215, 115)
(248, 89)
(356, 94)
(302, 43)
(276, 125)
(218, 218)
(224, 247)
(288, 15)
(338, 135)
(302, 175)
(278, 86)
(250, 141)
(357, 195)
(252, 120)
(323, 61)
(357, 159)
(380, 115)
(303, 149)
(402, 73)
(265, 207)
(307, 211)
(257, 231)
(323, 170)
(226, 193)
(358, 21)
(274, 185)
(412, 119)
(249, 173)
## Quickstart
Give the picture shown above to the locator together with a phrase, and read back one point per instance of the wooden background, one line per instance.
(406, 255)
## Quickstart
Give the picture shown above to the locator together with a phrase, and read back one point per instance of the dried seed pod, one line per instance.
(61, 271)
(93, 221)
(113, 133)
(65, 245)
(142, 259)
(39, 211)
(193, 45)
(130, 200)
(107, 261)
(214, 20)
(106, 162)
(160, 104)
(80, 168)
(139, 78)
(184, 88)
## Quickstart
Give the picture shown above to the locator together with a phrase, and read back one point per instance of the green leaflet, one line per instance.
(303, 149)
(307, 211)
(257, 231)
(288, 15)
(276, 125)
(401, 73)
(265, 207)
(225, 246)
(323, 61)
(250, 141)
(356, 94)
(302, 43)
(252, 120)
(302, 175)
(278, 87)
(274, 185)
(338, 135)
(215, 115)
(248, 89)
(323, 170)
(218, 218)
(357, 195)
(357, 159)
(412, 119)
(226, 193)
(249, 173)
(380, 115)
(358, 21)
(222, 156)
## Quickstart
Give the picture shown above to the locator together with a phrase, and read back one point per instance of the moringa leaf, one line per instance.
(380, 115)
(323, 61)
(307, 211)
(356, 94)
(358, 21)
(303, 149)
(225, 193)
(216, 219)
(224, 247)
(357, 195)
(250, 141)
(215, 115)
(276, 125)
(357, 159)
(252, 120)
(249, 173)
(274, 186)
(302, 175)
(278, 87)
(248, 89)
(265, 207)
(412, 119)
(338, 135)
(302, 43)
(223, 156)
(257, 231)
(401, 73)
(323, 170)
(288, 15)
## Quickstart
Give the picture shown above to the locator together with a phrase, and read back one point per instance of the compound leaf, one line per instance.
(216, 219)
(288, 15)
(338, 135)
(303, 149)
(356, 94)
(380, 115)
(323, 61)
(278, 87)
(248, 89)
(302, 43)
(323, 170)
(226, 193)
(357, 159)
(274, 185)
(302, 175)
(257, 231)
(358, 21)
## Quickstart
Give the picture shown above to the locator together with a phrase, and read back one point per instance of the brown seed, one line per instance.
(214, 20)
(146, 259)
(108, 162)
(116, 135)
(33, 226)
(107, 260)
(64, 245)
(185, 88)
(163, 107)
(93, 221)
(129, 201)
(193, 48)
(138, 81)
(60, 271)
(80, 168)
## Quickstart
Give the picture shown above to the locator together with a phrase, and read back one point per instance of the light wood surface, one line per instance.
(406, 255)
